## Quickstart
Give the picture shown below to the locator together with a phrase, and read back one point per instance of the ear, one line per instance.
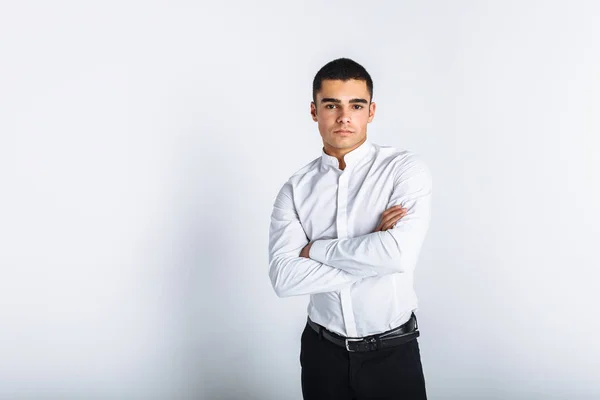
(372, 108)
(313, 111)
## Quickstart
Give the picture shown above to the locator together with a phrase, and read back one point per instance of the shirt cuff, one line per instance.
(318, 250)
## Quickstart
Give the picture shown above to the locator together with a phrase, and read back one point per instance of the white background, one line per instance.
(142, 145)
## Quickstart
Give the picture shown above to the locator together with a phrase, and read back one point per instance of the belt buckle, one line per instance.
(351, 340)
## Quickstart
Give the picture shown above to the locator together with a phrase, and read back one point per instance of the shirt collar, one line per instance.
(352, 158)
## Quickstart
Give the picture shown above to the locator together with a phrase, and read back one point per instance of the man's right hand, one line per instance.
(390, 217)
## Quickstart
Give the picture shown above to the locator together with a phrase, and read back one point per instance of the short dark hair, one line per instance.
(342, 69)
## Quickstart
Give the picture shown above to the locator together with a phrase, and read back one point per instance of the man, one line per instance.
(347, 229)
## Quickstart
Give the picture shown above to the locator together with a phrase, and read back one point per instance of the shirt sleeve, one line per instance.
(290, 274)
(395, 250)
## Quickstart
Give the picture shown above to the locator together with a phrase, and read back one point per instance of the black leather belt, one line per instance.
(395, 337)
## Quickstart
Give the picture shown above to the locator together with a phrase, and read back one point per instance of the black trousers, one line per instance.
(330, 372)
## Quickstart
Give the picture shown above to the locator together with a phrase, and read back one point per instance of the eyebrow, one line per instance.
(338, 101)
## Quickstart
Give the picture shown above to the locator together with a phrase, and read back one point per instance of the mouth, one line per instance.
(343, 132)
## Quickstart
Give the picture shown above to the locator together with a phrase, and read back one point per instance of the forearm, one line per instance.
(290, 274)
(395, 250)
(293, 276)
(380, 253)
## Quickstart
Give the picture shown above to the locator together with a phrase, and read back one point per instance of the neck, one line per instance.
(340, 153)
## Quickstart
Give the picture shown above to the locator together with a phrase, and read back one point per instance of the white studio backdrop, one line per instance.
(142, 145)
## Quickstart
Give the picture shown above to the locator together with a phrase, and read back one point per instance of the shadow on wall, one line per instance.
(213, 355)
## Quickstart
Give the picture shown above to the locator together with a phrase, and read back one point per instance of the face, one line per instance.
(342, 112)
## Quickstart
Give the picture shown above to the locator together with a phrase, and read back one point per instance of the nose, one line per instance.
(343, 117)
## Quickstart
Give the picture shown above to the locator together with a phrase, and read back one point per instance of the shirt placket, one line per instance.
(342, 231)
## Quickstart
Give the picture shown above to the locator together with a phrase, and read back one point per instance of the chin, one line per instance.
(347, 139)
(344, 144)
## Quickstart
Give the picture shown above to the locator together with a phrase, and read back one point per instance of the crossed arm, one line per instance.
(335, 263)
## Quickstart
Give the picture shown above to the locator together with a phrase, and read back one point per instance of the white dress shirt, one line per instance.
(360, 283)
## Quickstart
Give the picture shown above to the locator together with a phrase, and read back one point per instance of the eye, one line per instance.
(357, 107)
(330, 106)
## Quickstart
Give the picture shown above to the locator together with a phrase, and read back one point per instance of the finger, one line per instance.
(390, 214)
(378, 227)
(389, 226)
(395, 214)
(390, 221)
(393, 217)
(393, 209)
